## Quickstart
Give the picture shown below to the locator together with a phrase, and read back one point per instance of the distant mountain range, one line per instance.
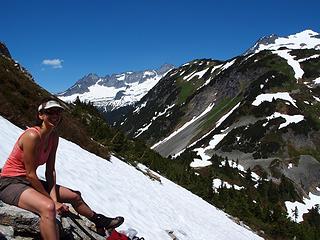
(118, 90)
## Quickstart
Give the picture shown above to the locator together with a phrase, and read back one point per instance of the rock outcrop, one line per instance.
(4, 50)
(16, 223)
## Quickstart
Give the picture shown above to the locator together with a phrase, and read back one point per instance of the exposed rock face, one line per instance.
(4, 50)
(16, 223)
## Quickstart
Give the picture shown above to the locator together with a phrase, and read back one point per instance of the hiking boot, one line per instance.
(102, 221)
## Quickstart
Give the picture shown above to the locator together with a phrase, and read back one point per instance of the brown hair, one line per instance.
(38, 121)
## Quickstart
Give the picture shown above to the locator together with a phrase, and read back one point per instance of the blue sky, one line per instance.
(61, 41)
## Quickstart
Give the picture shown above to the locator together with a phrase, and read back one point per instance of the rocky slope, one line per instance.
(261, 108)
(19, 99)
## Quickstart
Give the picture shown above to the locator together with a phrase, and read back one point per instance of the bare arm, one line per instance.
(50, 169)
(51, 176)
(30, 142)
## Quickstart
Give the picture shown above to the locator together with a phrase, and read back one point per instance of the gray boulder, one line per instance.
(16, 223)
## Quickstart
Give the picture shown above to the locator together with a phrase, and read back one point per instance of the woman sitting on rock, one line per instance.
(20, 186)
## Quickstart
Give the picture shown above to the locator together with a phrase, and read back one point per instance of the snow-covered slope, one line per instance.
(304, 40)
(117, 90)
(150, 207)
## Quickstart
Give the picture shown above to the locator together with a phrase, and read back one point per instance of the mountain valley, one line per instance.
(242, 134)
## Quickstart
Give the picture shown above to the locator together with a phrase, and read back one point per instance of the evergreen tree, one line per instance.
(295, 213)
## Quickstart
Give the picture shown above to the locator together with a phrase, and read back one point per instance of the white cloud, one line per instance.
(54, 63)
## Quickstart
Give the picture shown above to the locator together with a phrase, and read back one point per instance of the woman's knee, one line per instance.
(48, 209)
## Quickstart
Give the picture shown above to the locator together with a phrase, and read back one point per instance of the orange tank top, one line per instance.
(14, 165)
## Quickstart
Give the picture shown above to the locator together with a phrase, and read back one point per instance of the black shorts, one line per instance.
(11, 188)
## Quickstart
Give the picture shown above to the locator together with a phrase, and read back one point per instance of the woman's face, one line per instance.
(51, 116)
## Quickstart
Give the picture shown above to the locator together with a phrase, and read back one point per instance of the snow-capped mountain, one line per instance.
(307, 39)
(260, 109)
(117, 90)
(210, 81)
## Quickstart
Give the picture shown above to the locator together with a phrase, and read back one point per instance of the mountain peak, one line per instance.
(303, 40)
(308, 32)
(115, 90)
(166, 67)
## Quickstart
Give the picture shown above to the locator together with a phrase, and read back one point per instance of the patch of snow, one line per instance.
(307, 204)
(208, 109)
(216, 67)
(187, 77)
(149, 73)
(249, 56)
(212, 144)
(210, 78)
(255, 177)
(308, 58)
(233, 164)
(298, 72)
(316, 98)
(121, 77)
(214, 141)
(270, 96)
(317, 80)
(217, 183)
(228, 64)
(303, 40)
(199, 163)
(137, 110)
(145, 128)
(221, 120)
(289, 118)
(199, 74)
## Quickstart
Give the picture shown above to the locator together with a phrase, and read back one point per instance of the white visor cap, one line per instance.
(50, 104)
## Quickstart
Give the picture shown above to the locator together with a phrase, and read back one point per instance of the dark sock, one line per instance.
(100, 220)
(94, 217)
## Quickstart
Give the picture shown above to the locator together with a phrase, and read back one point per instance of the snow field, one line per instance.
(116, 188)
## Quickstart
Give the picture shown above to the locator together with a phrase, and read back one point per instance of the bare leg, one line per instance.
(67, 195)
(34, 201)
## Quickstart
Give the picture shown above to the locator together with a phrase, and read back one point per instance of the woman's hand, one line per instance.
(61, 208)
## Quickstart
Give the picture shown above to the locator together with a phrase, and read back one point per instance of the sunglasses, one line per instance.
(53, 111)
